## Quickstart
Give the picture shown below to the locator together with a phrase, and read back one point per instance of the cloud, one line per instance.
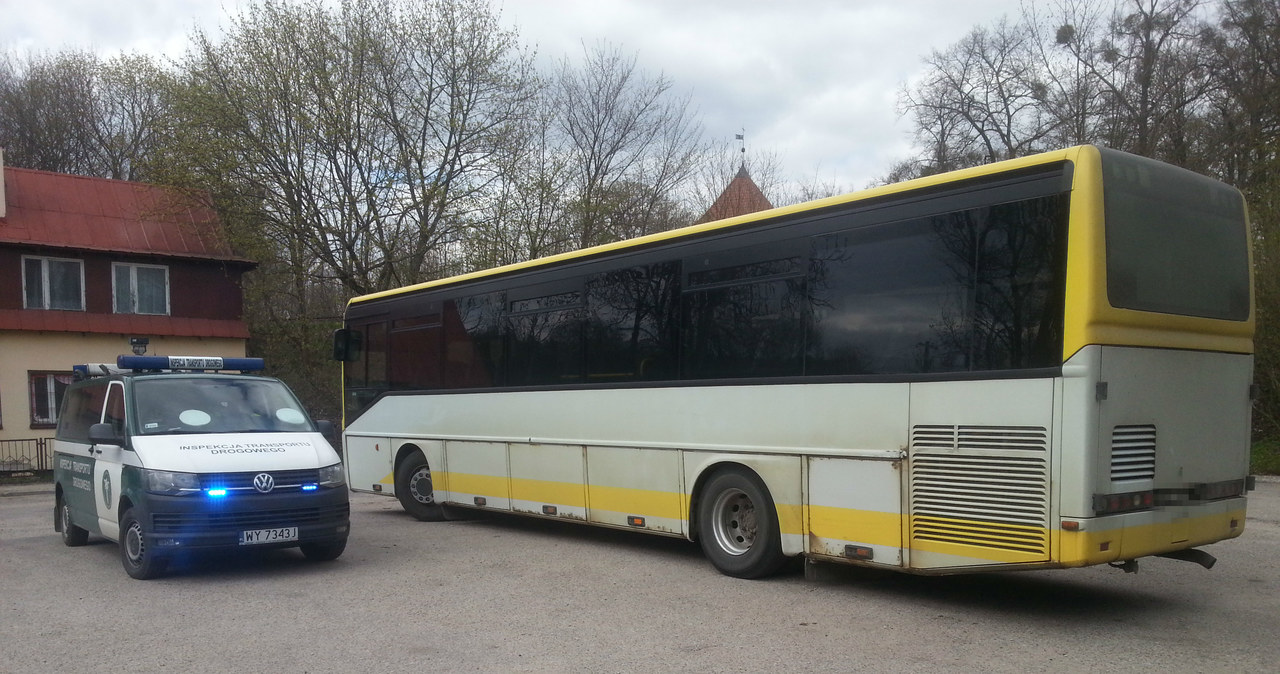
(814, 81)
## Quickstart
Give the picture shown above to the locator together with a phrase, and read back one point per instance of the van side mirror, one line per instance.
(346, 345)
(104, 434)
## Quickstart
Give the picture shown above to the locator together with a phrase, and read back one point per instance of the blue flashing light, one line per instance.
(217, 492)
(310, 487)
(188, 363)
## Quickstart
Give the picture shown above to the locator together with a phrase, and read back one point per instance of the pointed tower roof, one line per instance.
(742, 196)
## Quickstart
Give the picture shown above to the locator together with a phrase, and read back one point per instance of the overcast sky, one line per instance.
(814, 81)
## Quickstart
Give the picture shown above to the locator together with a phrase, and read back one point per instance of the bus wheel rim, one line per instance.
(734, 521)
(420, 486)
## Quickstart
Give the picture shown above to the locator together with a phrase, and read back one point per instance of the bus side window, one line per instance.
(632, 318)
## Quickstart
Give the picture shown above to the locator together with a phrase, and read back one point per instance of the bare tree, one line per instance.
(632, 145)
(46, 107)
(72, 112)
(982, 99)
(370, 134)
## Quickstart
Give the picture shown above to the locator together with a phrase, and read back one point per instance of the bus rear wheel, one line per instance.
(738, 525)
(414, 489)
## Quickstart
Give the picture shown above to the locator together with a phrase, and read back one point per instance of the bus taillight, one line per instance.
(1111, 504)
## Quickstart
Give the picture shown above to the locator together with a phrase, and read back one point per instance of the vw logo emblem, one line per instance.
(263, 482)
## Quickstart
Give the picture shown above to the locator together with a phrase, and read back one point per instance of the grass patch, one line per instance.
(1264, 458)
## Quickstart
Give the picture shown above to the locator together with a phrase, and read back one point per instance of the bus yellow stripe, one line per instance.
(635, 501)
(544, 491)
(481, 485)
(860, 526)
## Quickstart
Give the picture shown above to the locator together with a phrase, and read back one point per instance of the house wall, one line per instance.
(196, 289)
(21, 352)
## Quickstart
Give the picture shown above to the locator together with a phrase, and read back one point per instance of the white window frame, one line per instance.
(49, 391)
(44, 280)
(133, 288)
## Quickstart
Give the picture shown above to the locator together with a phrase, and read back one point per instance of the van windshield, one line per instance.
(168, 405)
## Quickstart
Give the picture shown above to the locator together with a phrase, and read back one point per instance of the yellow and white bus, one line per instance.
(1043, 362)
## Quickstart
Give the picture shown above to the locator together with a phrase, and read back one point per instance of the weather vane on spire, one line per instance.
(742, 145)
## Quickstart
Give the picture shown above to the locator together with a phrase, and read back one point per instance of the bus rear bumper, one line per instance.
(1160, 530)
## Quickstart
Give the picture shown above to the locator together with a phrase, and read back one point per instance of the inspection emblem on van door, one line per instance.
(263, 482)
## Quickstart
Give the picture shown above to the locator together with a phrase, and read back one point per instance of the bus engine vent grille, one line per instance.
(1133, 453)
(984, 486)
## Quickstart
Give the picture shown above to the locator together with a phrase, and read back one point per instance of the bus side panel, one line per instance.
(548, 480)
(626, 482)
(855, 502)
(369, 464)
(477, 474)
(782, 476)
(979, 473)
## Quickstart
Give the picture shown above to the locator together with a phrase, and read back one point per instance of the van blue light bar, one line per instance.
(188, 363)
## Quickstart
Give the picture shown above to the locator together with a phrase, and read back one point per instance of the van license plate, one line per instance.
(258, 536)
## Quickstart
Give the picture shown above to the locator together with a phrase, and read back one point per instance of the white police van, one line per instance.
(166, 454)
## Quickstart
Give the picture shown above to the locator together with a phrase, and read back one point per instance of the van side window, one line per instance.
(81, 409)
(114, 411)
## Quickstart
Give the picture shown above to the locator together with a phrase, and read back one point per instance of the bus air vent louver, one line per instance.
(1133, 453)
(985, 486)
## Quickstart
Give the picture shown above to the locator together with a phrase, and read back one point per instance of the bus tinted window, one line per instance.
(887, 300)
(632, 319)
(473, 351)
(415, 357)
(744, 330)
(544, 342)
(979, 289)
(1176, 241)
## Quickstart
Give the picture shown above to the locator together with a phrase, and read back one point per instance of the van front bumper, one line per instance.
(202, 522)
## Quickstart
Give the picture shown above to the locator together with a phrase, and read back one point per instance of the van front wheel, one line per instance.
(139, 560)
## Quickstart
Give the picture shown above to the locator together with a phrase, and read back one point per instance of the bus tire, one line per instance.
(72, 535)
(738, 525)
(414, 489)
(323, 552)
(139, 561)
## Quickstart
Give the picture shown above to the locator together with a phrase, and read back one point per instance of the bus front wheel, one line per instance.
(738, 525)
(413, 488)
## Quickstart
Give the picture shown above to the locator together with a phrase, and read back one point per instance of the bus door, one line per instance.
(108, 462)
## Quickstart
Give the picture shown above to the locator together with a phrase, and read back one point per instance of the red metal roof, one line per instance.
(741, 197)
(78, 212)
(121, 324)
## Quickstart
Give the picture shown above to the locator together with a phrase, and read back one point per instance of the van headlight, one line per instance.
(169, 482)
(332, 476)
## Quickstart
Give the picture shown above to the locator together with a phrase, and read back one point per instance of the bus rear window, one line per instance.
(1176, 241)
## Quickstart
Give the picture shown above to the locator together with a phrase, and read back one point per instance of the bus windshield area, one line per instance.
(170, 405)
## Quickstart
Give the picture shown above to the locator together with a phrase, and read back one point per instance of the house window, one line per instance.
(141, 289)
(47, 389)
(52, 283)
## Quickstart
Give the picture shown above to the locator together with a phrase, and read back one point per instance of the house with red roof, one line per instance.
(89, 264)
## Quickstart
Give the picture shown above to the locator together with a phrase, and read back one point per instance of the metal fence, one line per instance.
(26, 455)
